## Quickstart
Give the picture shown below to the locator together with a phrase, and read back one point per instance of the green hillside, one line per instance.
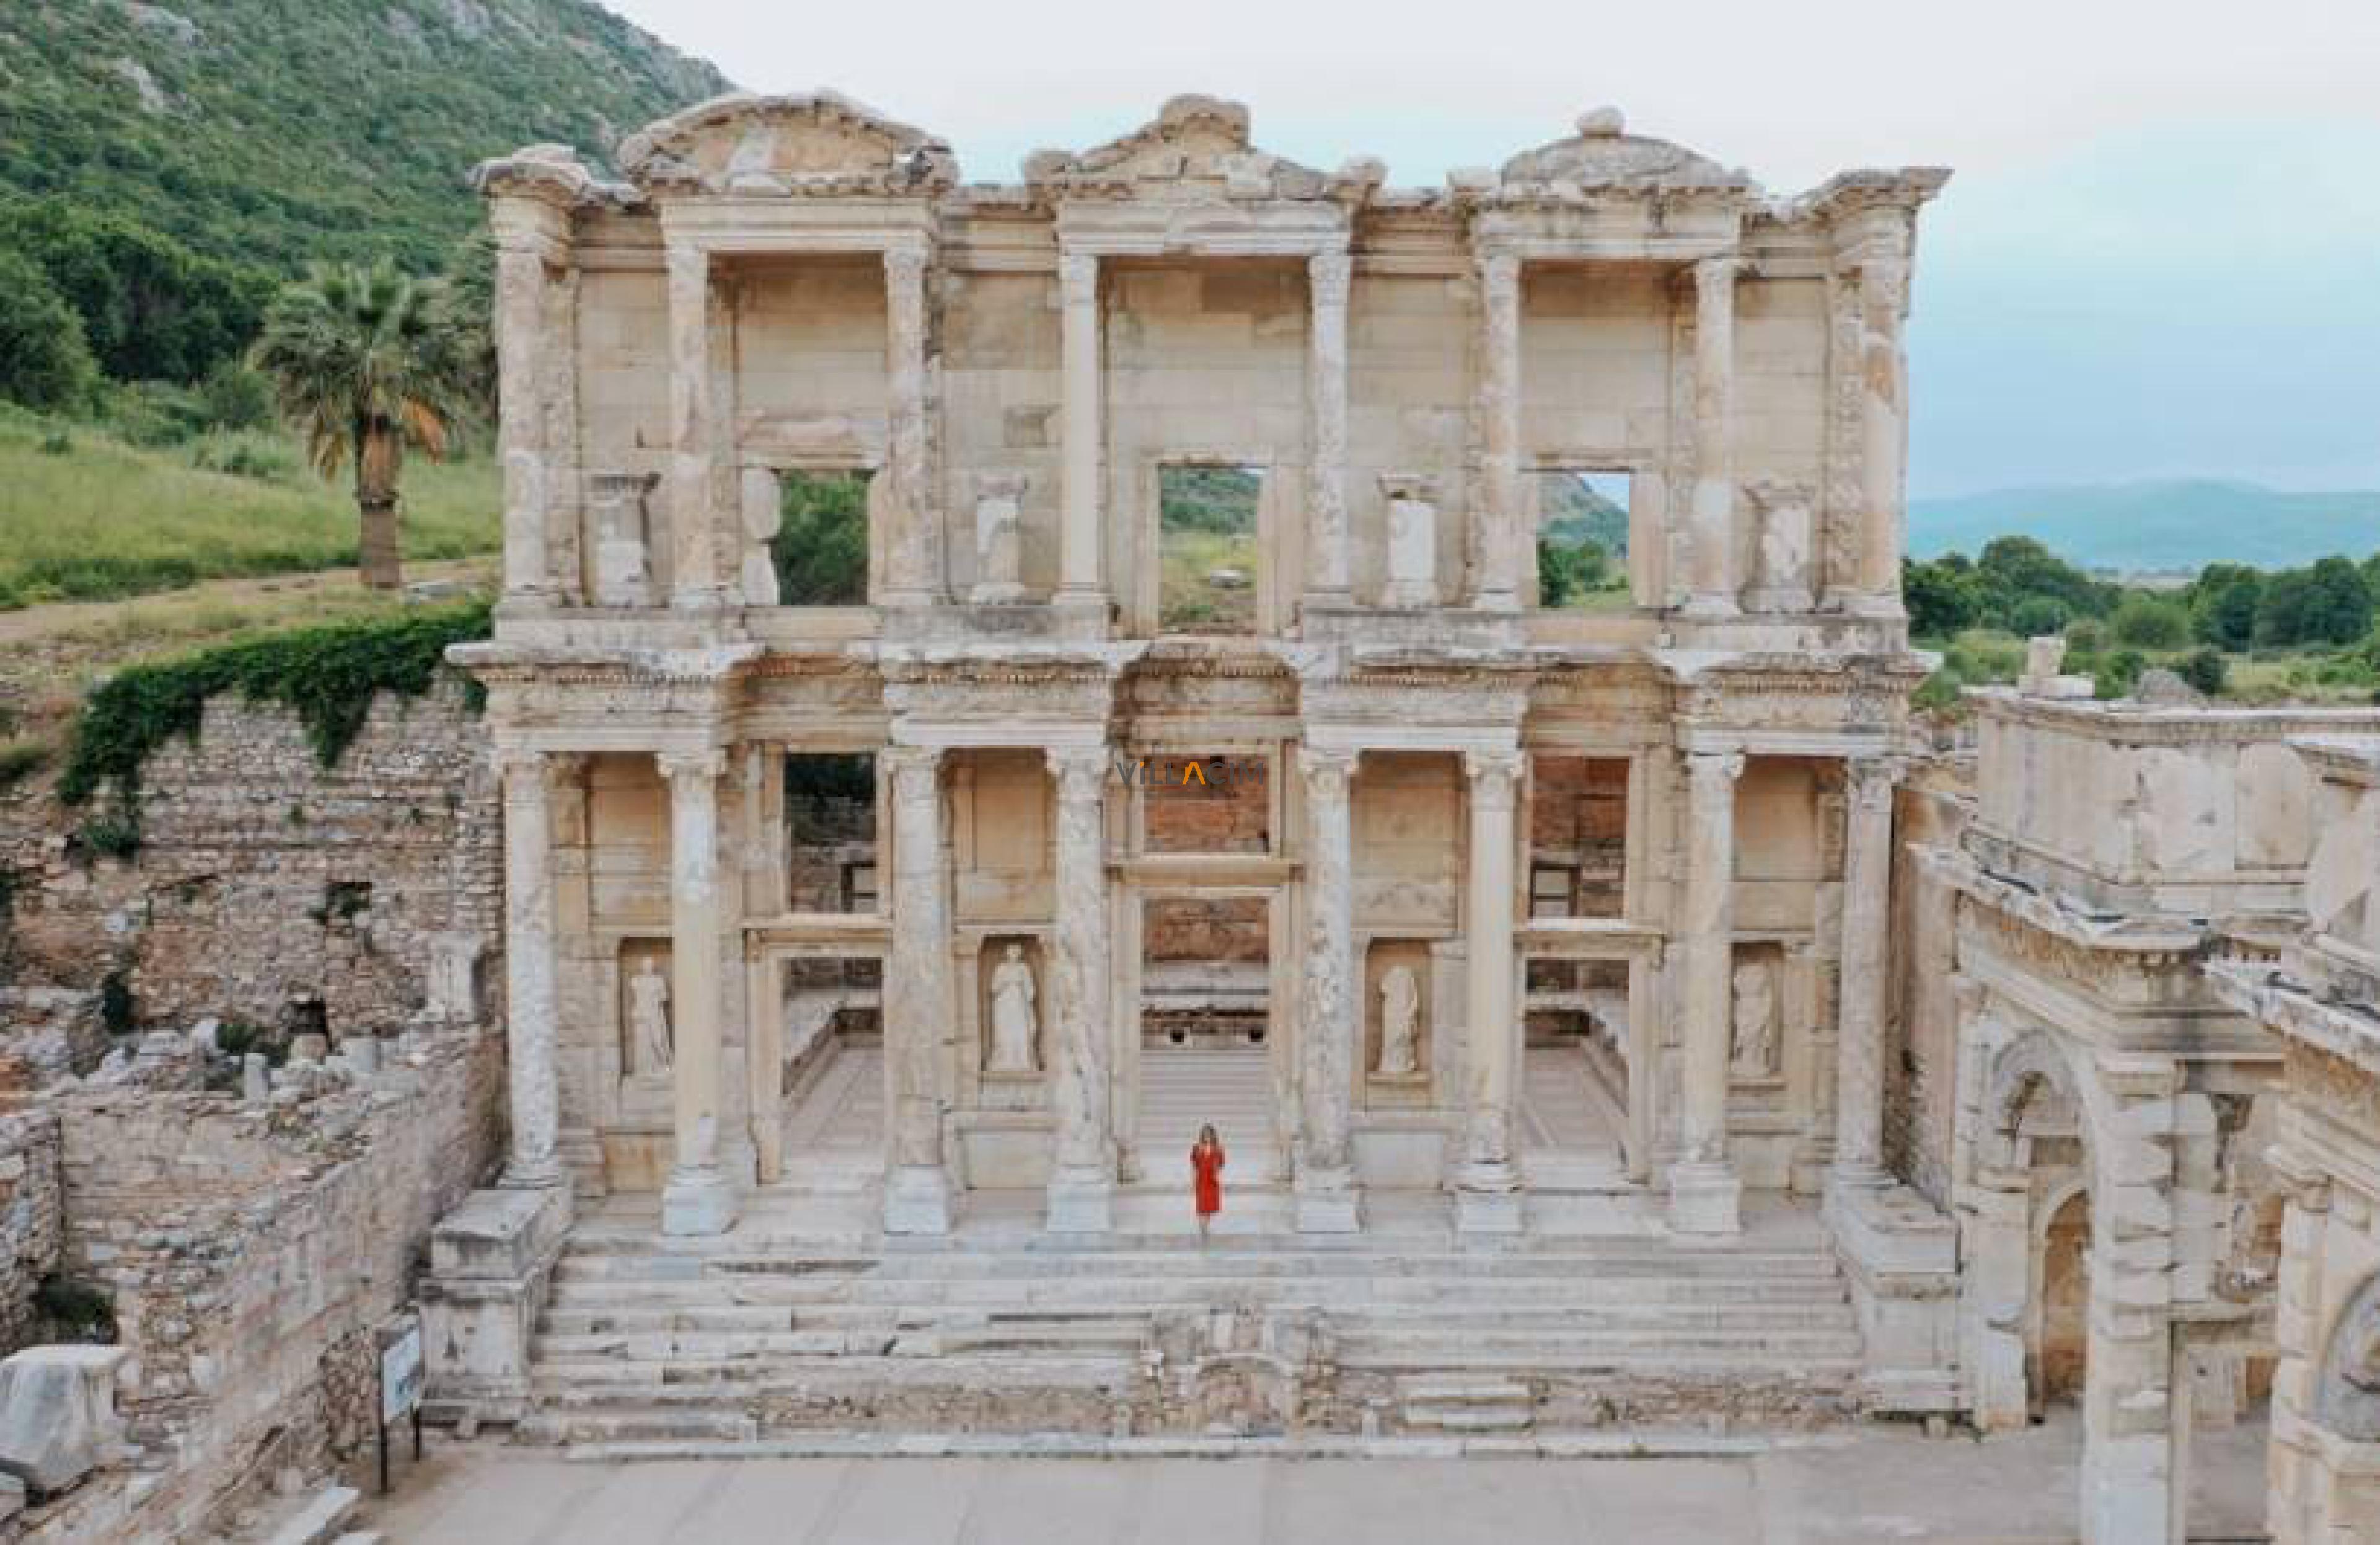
(266, 132)
(2166, 526)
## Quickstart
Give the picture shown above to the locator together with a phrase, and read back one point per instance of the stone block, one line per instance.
(491, 1261)
(58, 1413)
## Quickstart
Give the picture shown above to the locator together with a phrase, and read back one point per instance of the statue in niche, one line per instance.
(999, 538)
(649, 1018)
(1399, 1022)
(1753, 1044)
(1013, 1019)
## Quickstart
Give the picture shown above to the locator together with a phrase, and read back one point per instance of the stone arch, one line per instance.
(2347, 1382)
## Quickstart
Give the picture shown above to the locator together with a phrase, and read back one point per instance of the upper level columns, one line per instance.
(1496, 534)
(694, 544)
(1883, 368)
(1704, 1190)
(921, 1005)
(1860, 1039)
(913, 553)
(1080, 389)
(1082, 1186)
(699, 1198)
(1712, 590)
(1328, 282)
(1325, 1168)
(1489, 1199)
(522, 343)
(530, 1026)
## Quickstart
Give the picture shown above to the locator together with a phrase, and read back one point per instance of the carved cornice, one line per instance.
(814, 145)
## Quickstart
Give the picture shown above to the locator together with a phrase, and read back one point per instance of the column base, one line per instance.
(917, 1200)
(1082, 614)
(1705, 1198)
(1710, 608)
(1487, 1198)
(1328, 1202)
(1860, 604)
(1081, 1204)
(698, 1201)
(536, 1174)
(490, 1264)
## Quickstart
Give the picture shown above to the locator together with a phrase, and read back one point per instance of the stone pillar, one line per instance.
(919, 1006)
(1082, 1186)
(520, 329)
(531, 1011)
(913, 548)
(1859, 1038)
(699, 1198)
(1327, 1201)
(1488, 1198)
(1704, 1191)
(1884, 434)
(1495, 503)
(1325, 386)
(694, 545)
(1081, 388)
(1713, 589)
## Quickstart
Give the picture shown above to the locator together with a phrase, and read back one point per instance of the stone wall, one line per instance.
(266, 885)
(1931, 810)
(31, 1218)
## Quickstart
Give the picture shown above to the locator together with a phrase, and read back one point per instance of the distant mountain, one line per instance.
(2144, 526)
(1571, 513)
(265, 131)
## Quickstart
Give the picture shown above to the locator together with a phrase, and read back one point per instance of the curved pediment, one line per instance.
(1604, 155)
(818, 142)
(1196, 147)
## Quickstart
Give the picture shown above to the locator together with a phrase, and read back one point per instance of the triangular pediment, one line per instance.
(1196, 147)
(816, 142)
(1603, 154)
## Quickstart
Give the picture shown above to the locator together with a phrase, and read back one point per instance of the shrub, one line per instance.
(243, 454)
(2038, 615)
(237, 397)
(2147, 622)
(20, 757)
(2118, 674)
(44, 361)
(75, 1311)
(2205, 670)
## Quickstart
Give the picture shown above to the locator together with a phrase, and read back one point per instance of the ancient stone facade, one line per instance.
(33, 1217)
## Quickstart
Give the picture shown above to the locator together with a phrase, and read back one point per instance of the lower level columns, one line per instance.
(919, 1004)
(1487, 1191)
(1860, 1038)
(1705, 1195)
(1082, 1184)
(699, 1196)
(530, 1029)
(1325, 1170)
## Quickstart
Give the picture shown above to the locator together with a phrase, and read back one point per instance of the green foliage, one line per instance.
(1571, 511)
(113, 833)
(2223, 604)
(245, 453)
(821, 549)
(2205, 670)
(237, 1038)
(44, 361)
(1942, 597)
(328, 675)
(2118, 674)
(151, 308)
(2329, 604)
(74, 1310)
(1221, 501)
(2017, 586)
(21, 756)
(1567, 575)
(2150, 622)
(2038, 615)
(237, 397)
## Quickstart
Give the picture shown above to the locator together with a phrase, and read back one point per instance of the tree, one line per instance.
(1941, 595)
(364, 361)
(2327, 603)
(151, 308)
(820, 548)
(44, 360)
(2223, 605)
(2147, 621)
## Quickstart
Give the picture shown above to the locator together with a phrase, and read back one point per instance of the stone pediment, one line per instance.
(1197, 146)
(817, 143)
(1604, 156)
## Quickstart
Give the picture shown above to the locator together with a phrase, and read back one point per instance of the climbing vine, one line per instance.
(328, 675)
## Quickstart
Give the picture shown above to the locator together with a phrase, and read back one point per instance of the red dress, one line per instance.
(1206, 1163)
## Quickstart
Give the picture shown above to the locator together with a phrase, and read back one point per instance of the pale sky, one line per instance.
(2160, 255)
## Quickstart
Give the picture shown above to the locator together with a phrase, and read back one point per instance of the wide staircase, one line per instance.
(651, 1345)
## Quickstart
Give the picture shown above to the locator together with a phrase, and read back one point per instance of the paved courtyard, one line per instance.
(1878, 1484)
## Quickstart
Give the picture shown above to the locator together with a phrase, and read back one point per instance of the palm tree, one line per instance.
(362, 361)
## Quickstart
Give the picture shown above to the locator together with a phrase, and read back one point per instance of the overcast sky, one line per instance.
(2160, 255)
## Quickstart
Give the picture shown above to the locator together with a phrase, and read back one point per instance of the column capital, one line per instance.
(1080, 770)
(697, 764)
(1884, 283)
(1328, 769)
(1870, 780)
(906, 265)
(1705, 766)
(1499, 270)
(1330, 275)
(687, 263)
(1495, 775)
(910, 762)
(1078, 279)
(1716, 275)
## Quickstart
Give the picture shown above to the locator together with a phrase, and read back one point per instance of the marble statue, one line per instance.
(1753, 1052)
(649, 1018)
(1399, 1022)
(1013, 1023)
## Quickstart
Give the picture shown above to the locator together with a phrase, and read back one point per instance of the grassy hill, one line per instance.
(265, 132)
(2140, 527)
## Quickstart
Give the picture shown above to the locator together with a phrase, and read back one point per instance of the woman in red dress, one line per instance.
(1207, 1167)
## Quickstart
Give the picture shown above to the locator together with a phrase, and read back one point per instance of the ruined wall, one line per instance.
(265, 882)
(1931, 810)
(31, 1218)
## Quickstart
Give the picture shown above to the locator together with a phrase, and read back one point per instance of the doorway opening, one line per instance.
(1207, 548)
(1582, 539)
(1207, 1050)
(820, 551)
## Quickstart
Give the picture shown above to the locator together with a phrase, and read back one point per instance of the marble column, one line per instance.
(1082, 1185)
(1859, 1038)
(531, 1011)
(1487, 1197)
(1328, 281)
(694, 543)
(919, 1002)
(1081, 387)
(913, 548)
(1712, 590)
(1705, 1194)
(699, 1196)
(521, 376)
(1884, 434)
(1495, 503)
(1326, 1194)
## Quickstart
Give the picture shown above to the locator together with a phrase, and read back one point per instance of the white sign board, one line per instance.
(400, 1371)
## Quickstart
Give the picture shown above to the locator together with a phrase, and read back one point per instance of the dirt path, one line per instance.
(61, 618)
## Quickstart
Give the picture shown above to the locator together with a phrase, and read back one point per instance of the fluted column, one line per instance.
(694, 544)
(1705, 1194)
(919, 1004)
(520, 329)
(1082, 1186)
(1859, 1038)
(530, 1026)
(1080, 389)
(1714, 582)
(913, 551)
(1328, 281)
(1884, 433)
(1487, 1198)
(1497, 539)
(699, 1198)
(1327, 1201)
